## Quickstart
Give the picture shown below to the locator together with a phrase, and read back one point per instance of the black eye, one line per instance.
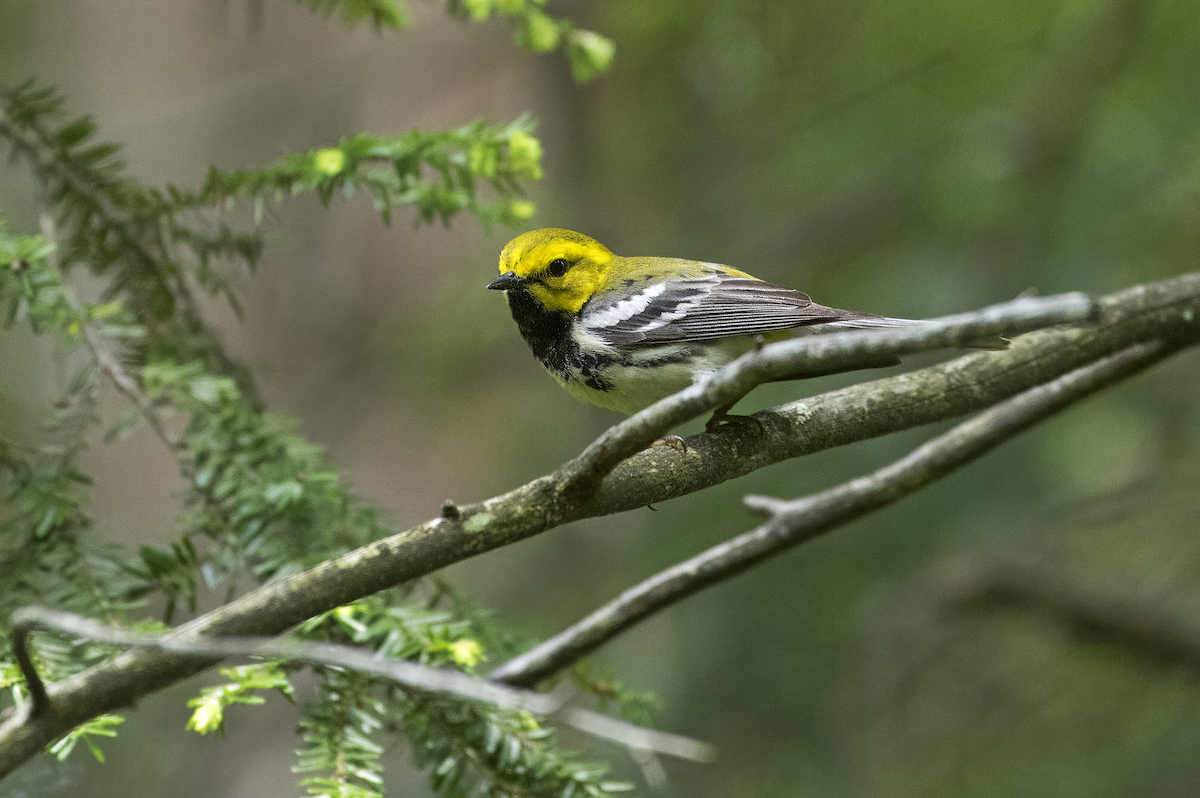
(557, 268)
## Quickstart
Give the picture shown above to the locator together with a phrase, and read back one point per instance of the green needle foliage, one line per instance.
(393, 171)
(260, 501)
(243, 688)
(590, 53)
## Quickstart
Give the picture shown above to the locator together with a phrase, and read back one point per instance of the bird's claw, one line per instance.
(674, 441)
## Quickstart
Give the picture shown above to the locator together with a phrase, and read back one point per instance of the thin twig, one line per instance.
(105, 359)
(408, 674)
(39, 700)
(793, 522)
(128, 386)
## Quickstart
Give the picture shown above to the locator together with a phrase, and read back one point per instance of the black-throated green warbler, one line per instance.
(623, 333)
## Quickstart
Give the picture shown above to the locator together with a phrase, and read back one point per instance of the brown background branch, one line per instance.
(1151, 631)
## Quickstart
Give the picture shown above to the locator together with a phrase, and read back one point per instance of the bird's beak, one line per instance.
(506, 281)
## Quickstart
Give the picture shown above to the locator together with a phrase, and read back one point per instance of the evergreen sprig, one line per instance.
(49, 551)
(472, 749)
(103, 726)
(393, 171)
(340, 731)
(147, 245)
(261, 500)
(590, 54)
(269, 499)
(246, 682)
(475, 750)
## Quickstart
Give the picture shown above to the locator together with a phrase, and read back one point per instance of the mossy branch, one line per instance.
(791, 523)
(1166, 312)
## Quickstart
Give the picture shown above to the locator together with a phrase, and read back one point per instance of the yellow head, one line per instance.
(561, 269)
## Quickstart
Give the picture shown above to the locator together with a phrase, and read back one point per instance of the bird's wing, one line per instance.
(714, 305)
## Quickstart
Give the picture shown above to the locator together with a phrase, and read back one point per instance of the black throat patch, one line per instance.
(548, 334)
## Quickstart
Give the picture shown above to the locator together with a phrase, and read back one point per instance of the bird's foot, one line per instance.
(721, 418)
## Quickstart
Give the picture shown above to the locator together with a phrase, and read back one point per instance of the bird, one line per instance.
(625, 332)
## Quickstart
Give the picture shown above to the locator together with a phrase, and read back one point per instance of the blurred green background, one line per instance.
(912, 158)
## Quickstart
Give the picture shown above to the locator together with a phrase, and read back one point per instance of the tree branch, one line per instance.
(1167, 311)
(1159, 634)
(408, 674)
(1163, 310)
(793, 522)
(817, 354)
